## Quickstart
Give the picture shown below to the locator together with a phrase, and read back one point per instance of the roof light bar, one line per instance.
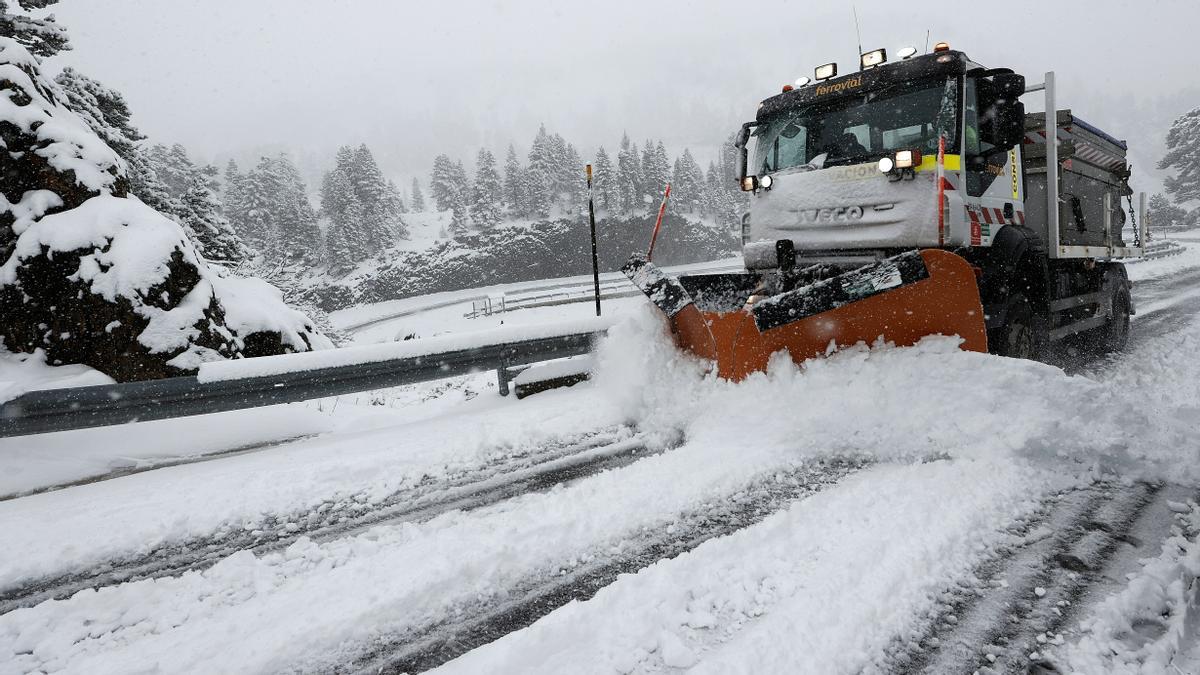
(873, 58)
(825, 72)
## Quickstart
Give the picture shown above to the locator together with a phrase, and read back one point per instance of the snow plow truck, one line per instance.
(914, 197)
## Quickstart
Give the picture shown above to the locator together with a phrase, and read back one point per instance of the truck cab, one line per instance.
(936, 151)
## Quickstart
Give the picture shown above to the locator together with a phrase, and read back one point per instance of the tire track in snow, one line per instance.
(517, 474)
(425, 647)
(1017, 604)
(153, 463)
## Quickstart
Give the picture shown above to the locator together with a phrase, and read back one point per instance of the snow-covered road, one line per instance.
(874, 512)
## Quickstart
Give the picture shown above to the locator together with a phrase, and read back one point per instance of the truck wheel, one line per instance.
(1018, 337)
(1115, 334)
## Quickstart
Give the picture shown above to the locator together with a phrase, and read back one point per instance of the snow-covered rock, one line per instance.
(92, 277)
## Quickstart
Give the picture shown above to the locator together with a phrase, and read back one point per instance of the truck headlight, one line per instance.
(907, 159)
(886, 165)
(765, 182)
(749, 183)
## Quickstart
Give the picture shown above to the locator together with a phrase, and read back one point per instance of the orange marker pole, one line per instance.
(658, 223)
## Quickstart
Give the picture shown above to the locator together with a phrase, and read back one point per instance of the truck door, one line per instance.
(989, 168)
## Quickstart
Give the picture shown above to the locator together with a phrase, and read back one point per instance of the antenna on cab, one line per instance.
(857, 33)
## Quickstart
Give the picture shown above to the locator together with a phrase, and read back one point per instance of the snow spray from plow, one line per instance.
(899, 300)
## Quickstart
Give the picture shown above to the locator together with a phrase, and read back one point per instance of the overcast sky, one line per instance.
(413, 79)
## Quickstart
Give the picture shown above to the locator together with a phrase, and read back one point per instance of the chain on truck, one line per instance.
(904, 199)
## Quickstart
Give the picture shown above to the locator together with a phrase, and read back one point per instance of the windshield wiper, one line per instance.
(849, 159)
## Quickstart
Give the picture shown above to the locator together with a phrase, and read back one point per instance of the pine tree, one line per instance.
(1162, 215)
(168, 181)
(629, 176)
(732, 202)
(174, 167)
(378, 197)
(656, 170)
(687, 184)
(560, 173)
(208, 228)
(395, 198)
(1183, 156)
(604, 182)
(261, 189)
(540, 175)
(712, 190)
(418, 197)
(42, 37)
(442, 184)
(649, 186)
(574, 181)
(296, 229)
(346, 242)
(233, 195)
(458, 203)
(515, 197)
(486, 193)
(106, 112)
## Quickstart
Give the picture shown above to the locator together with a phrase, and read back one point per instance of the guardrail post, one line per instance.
(503, 378)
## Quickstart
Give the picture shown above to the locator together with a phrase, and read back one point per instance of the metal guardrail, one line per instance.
(45, 411)
(1161, 249)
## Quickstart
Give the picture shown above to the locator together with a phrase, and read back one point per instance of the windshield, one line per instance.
(859, 128)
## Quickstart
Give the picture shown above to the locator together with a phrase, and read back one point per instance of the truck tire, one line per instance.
(1019, 337)
(1115, 334)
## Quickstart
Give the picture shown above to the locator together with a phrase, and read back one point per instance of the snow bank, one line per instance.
(906, 404)
(261, 367)
(20, 373)
(255, 309)
(1142, 628)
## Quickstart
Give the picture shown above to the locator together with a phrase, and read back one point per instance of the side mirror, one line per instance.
(1009, 85)
(1010, 124)
(743, 137)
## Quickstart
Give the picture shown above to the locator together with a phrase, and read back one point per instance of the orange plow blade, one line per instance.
(901, 300)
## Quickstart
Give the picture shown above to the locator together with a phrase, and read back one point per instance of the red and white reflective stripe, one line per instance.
(976, 229)
(1020, 217)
